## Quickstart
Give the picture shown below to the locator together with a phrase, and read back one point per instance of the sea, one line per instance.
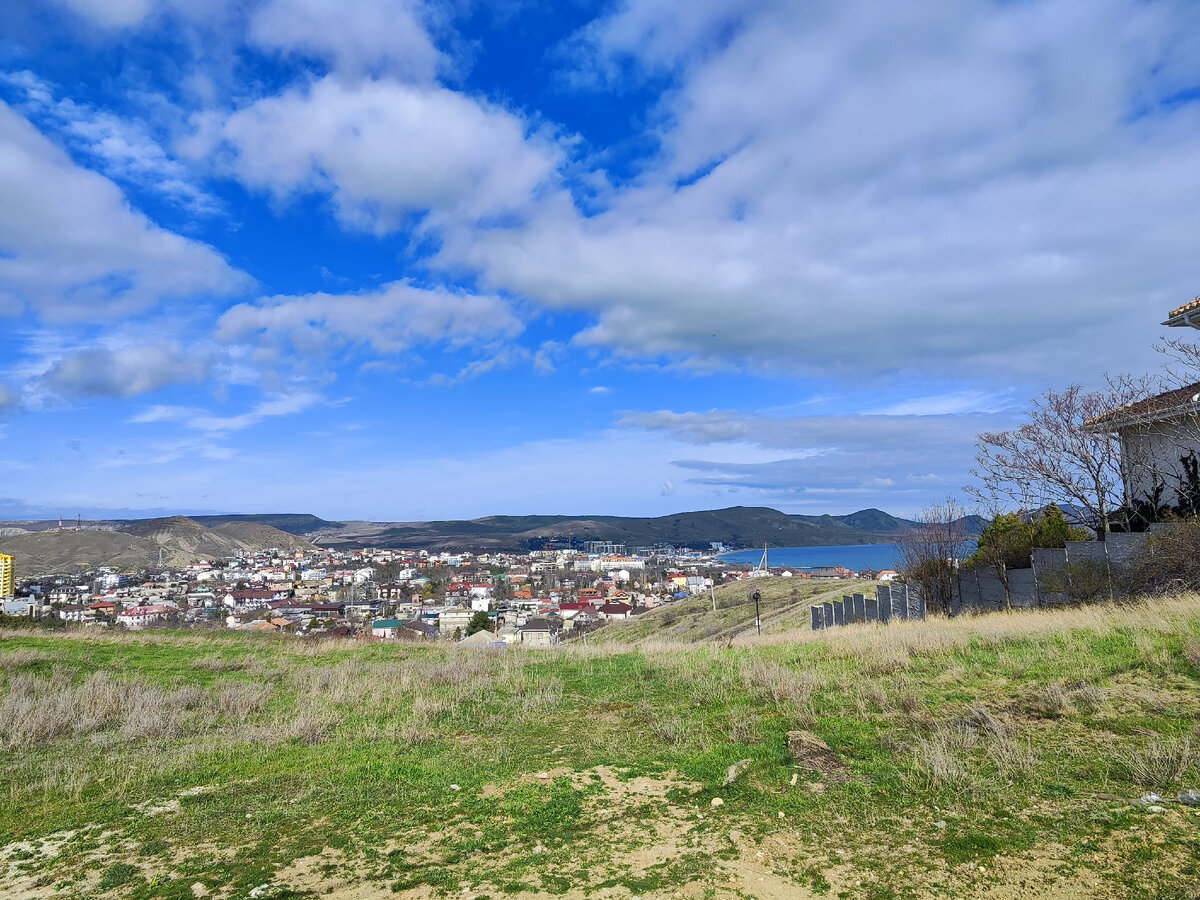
(855, 557)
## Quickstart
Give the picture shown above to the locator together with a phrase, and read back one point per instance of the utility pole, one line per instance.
(712, 589)
(757, 617)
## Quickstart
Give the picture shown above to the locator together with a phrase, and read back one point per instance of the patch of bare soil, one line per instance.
(1045, 873)
(17, 881)
(810, 752)
(323, 873)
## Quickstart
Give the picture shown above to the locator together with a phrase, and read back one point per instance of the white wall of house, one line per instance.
(1154, 452)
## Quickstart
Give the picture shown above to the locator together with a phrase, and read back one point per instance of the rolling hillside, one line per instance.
(181, 540)
(744, 526)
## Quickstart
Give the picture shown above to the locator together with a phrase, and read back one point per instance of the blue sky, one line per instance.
(399, 259)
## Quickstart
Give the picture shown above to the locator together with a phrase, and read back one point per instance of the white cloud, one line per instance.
(992, 189)
(125, 372)
(386, 150)
(357, 36)
(73, 249)
(389, 320)
(945, 404)
(202, 420)
(123, 149)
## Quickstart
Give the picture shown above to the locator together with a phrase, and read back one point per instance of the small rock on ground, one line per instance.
(732, 773)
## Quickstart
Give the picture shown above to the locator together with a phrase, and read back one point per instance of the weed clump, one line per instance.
(1162, 763)
(1047, 702)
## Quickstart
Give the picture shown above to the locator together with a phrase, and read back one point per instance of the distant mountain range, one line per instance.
(135, 543)
(741, 526)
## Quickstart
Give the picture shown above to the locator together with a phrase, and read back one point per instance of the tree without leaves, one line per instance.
(928, 550)
(1054, 458)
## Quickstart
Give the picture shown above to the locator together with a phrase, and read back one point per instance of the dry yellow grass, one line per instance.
(939, 634)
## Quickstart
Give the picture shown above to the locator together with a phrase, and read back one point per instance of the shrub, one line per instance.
(1085, 581)
(1162, 763)
(1052, 531)
(1168, 560)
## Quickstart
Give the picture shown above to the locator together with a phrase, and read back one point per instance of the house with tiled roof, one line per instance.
(1160, 449)
(614, 611)
(1160, 441)
(416, 630)
(1186, 316)
(386, 628)
(539, 632)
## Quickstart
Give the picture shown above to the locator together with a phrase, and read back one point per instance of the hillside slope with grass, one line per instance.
(784, 606)
(993, 757)
(179, 540)
(735, 526)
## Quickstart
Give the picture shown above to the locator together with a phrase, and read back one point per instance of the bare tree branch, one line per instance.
(1055, 458)
(929, 550)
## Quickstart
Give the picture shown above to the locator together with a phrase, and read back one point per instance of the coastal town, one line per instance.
(539, 598)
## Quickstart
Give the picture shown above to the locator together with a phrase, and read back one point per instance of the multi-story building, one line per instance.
(7, 575)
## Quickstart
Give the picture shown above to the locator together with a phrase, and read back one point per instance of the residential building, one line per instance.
(1160, 448)
(539, 632)
(615, 610)
(455, 617)
(141, 616)
(386, 628)
(77, 612)
(7, 575)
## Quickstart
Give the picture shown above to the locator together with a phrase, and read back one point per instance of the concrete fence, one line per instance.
(891, 601)
(982, 589)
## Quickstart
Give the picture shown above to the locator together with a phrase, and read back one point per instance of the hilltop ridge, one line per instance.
(740, 526)
(137, 545)
(735, 526)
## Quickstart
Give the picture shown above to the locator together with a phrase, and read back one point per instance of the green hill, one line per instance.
(745, 526)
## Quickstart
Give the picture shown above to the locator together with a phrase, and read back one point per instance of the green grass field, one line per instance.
(987, 757)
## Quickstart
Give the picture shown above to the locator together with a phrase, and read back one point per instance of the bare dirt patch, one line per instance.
(810, 752)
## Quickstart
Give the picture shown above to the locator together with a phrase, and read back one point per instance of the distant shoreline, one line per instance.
(853, 556)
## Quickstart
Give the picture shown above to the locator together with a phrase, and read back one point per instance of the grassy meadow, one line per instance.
(994, 756)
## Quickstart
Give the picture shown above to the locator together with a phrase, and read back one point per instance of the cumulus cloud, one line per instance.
(357, 36)
(389, 320)
(72, 247)
(386, 150)
(1003, 189)
(125, 372)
